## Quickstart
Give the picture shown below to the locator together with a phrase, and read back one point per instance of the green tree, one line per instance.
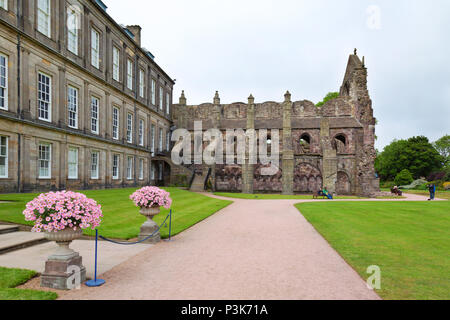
(443, 147)
(404, 178)
(416, 154)
(328, 97)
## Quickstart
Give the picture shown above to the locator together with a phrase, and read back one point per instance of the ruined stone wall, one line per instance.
(331, 146)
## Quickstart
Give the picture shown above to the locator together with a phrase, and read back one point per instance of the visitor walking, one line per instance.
(432, 189)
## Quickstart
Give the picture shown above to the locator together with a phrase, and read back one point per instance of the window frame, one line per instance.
(95, 58)
(160, 141)
(75, 104)
(69, 163)
(141, 83)
(130, 66)
(116, 166)
(161, 97)
(96, 119)
(5, 5)
(153, 133)
(73, 31)
(115, 133)
(49, 161)
(48, 15)
(95, 176)
(5, 88)
(153, 92)
(130, 167)
(116, 66)
(129, 127)
(141, 168)
(141, 131)
(6, 156)
(39, 100)
(168, 102)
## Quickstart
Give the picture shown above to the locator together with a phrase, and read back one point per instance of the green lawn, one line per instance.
(409, 241)
(121, 217)
(11, 278)
(273, 196)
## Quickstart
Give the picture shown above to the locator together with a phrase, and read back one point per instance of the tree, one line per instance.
(443, 147)
(404, 178)
(416, 154)
(328, 97)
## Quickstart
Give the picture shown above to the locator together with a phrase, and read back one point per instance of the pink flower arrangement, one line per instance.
(151, 197)
(55, 211)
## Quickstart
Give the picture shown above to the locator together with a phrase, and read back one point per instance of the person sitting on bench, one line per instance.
(318, 194)
(327, 194)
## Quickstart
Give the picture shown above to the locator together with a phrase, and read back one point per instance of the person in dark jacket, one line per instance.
(432, 190)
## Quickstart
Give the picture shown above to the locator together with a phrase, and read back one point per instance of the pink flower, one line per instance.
(56, 211)
(151, 196)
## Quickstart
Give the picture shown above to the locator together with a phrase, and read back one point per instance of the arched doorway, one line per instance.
(343, 186)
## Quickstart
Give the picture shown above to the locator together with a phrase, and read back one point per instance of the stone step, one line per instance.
(5, 228)
(19, 240)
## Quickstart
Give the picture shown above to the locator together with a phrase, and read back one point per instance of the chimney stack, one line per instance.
(136, 31)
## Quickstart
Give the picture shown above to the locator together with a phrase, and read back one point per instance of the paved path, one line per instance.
(253, 249)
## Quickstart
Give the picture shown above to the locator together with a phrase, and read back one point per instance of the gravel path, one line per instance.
(253, 249)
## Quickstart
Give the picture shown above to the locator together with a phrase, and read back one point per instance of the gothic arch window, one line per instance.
(340, 143)
(346, 89)
(305, 143)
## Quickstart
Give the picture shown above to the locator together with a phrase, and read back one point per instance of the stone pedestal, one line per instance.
(63, 269)
(64, 274)
(150, 226)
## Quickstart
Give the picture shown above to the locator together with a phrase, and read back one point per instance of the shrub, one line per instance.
(387, 184)
(436, 176)
(446, 185)
(404, 178)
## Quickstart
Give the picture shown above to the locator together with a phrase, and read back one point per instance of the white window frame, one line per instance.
(72, 30)
(115, 123)
(152, 172)
(130, 164)
(141, 132)
(168, 141)
(95, 169)
(153, 133)
(160, 136)
(153, 92)
(141, 83)
(72, 107)
(4, 4)
(167, 102)
(44, 102)
(4, 79)
(116, 64)
(69, 164)
(129, 127)
(95, 109)
(5, 156)
(161, 97)
(48, 160)
(95, 48)
(130, 74)
(141, 168)
(116, 166)
(44, 16)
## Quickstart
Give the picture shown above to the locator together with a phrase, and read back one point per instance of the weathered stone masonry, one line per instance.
(330, 146)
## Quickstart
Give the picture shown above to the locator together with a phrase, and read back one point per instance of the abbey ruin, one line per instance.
(329, 146)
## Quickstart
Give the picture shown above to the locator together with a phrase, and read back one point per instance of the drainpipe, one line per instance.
(19, 113)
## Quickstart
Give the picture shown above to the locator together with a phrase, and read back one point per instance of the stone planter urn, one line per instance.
(150, 226)
(63, 269)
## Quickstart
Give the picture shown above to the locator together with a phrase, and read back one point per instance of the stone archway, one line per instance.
(307, 178)
(343, 185)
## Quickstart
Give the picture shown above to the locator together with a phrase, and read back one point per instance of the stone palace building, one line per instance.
(82, 104)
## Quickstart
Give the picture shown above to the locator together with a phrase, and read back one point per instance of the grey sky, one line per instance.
(266, 47)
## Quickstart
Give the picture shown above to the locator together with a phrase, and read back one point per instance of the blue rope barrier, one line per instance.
(140, 241)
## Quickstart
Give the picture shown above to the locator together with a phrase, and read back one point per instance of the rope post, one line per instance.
(96, 282)
(170, 226)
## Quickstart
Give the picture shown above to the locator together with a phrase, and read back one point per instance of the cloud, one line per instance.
(265, 47)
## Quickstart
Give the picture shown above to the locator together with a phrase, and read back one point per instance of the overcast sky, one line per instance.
(266, 47)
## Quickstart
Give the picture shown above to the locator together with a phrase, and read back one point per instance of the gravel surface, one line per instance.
(253, 249)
